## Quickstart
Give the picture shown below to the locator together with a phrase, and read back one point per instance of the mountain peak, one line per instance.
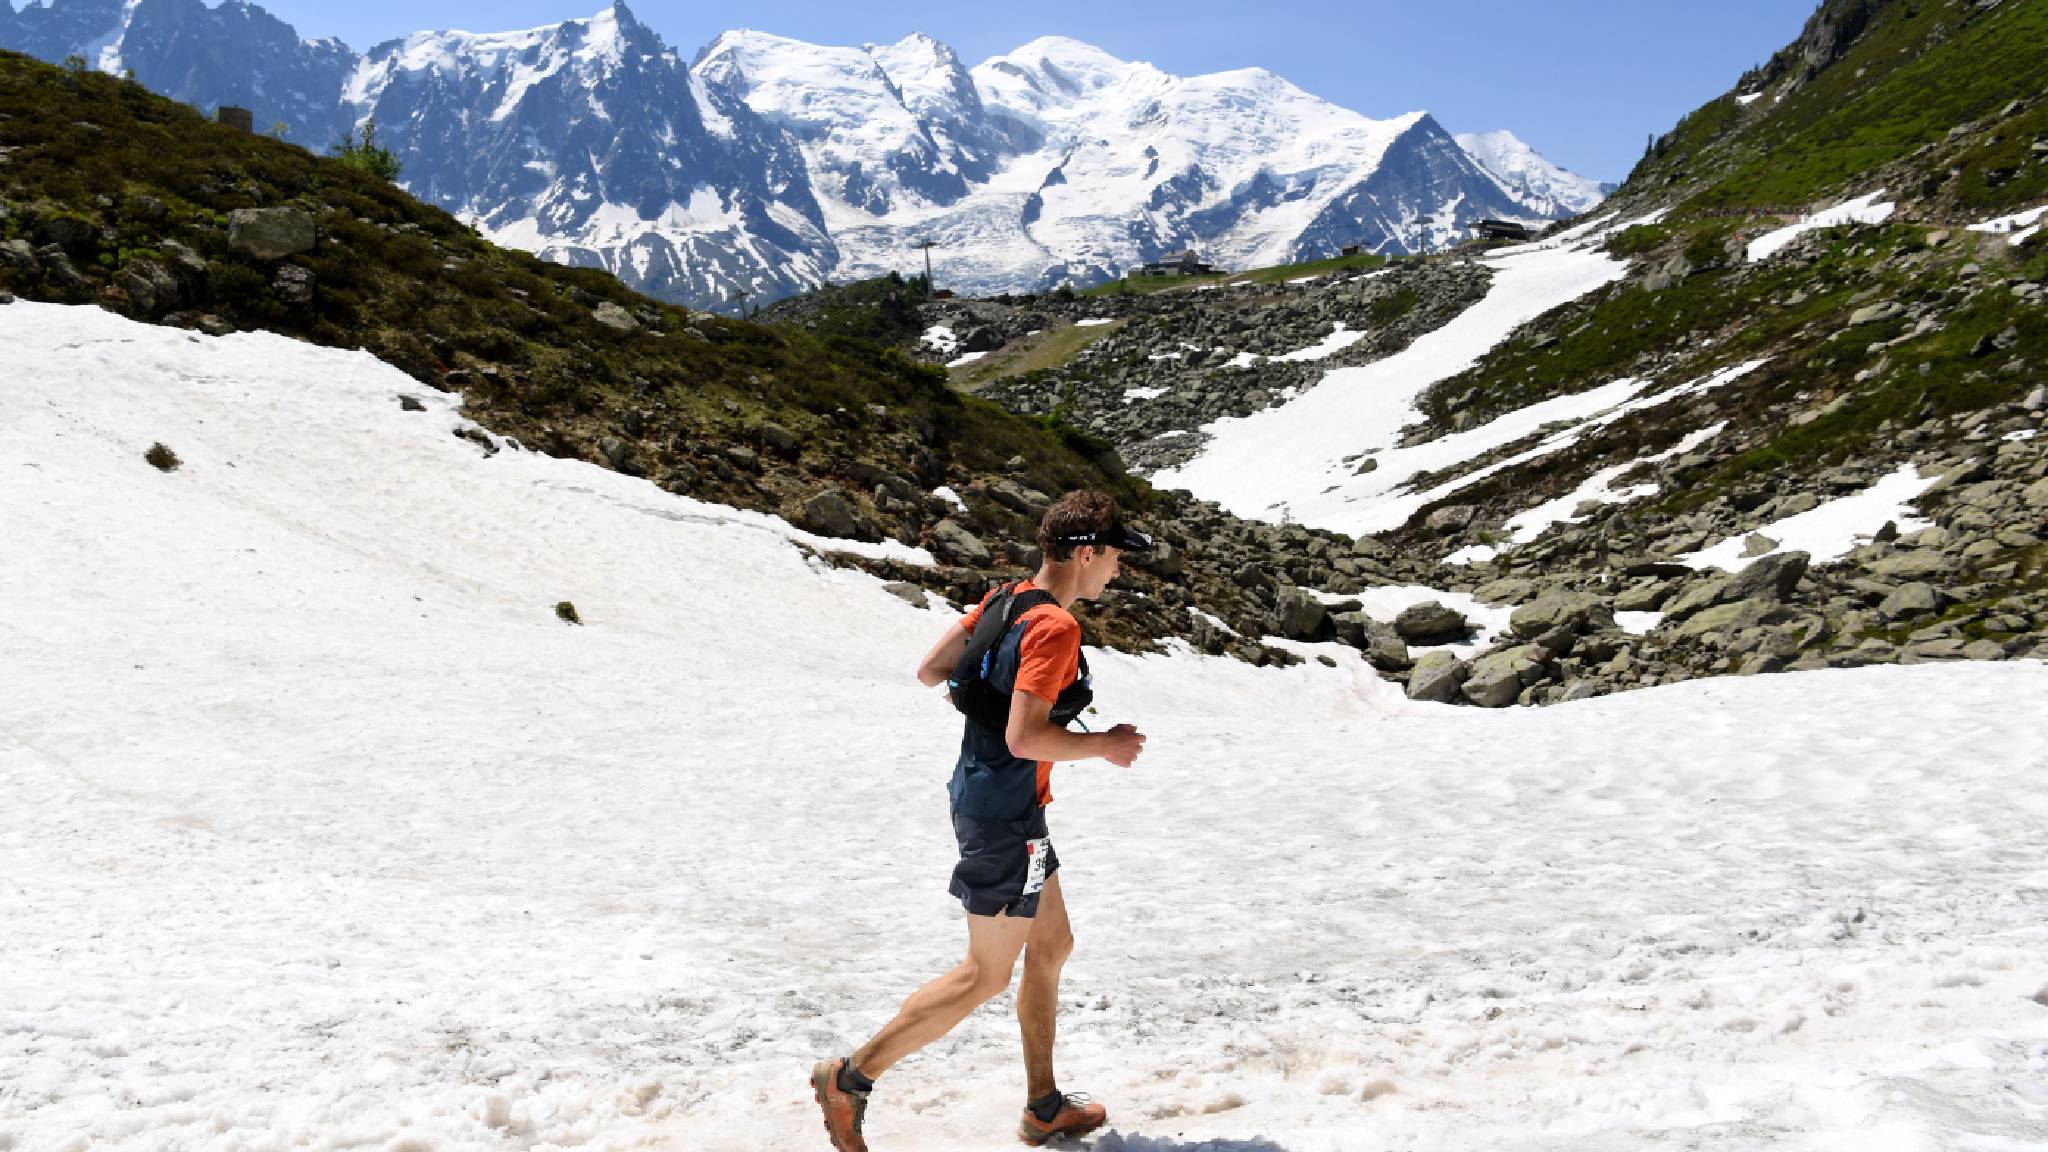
(1524, 171)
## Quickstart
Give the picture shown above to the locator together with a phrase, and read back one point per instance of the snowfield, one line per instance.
(1298, 461)
(319, 830)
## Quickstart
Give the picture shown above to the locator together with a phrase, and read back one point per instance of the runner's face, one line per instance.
(1102, 569)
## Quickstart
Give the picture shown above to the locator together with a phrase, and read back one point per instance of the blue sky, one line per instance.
(1584, 81)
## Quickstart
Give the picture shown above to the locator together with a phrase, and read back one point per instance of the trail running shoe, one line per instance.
(843, 1109)
(1077, 1114)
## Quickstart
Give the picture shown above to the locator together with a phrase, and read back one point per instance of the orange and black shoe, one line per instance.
(844, 1109)
(1077, 1114)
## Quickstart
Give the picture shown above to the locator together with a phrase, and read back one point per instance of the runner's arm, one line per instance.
(1032, 735)
(939, 662)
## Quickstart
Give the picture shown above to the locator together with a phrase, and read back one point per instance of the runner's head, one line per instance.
(1087, 530)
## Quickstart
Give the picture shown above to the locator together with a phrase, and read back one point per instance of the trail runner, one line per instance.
(1008, 875)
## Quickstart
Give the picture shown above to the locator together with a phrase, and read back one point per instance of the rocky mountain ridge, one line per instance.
(767, 165)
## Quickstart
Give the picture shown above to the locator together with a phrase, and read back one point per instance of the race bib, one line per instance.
(1035, 852)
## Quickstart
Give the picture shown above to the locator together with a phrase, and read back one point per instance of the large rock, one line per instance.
(19, 255)
(1499, 677)
(1915, 565)
(1771, 578)
(1506, 590)
(1455, 518)
(1915, 599)
(271, 233)
(611, 315)
(1561, 609)
(1019, 498)
(955, 544)
(293, 284)
(1437, 678)
(1383, 648)
(832, 512)
(150, 286)
(1430, 623)
(1700, 593)
(1300, 616)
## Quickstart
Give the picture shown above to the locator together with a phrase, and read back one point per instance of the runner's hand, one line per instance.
(1122, 744)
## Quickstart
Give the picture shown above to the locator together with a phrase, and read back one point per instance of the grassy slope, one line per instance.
(1919, 69)
(413, 285)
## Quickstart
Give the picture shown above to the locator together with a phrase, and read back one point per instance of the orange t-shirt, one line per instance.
(1048, 659)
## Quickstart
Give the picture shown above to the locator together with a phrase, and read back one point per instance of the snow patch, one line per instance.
(1829, 531)
(1862, 210)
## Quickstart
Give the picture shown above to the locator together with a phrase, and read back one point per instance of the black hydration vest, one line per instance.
(970, 689)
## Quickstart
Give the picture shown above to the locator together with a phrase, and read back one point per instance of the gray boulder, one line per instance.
(19, 255)
(1560, 609)
(271, 233)
(775, 436)
(1771, 578)
(1437, 678)
(150, 286)
(905, 591)
(1915, 599)
(1499, 677)
(832, 512)
(1916, 565)
(1430, 623)
(1300, 616)
(1507, 590)
(1874, 313)
(611, 315)
(293, 284)
(1455, 518)
(1700, 593)
(956, 544)
(1019, 498)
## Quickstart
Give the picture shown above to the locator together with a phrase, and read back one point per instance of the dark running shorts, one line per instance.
(1003, 864)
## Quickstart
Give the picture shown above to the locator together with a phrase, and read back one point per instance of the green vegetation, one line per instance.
(360, 151)
(1053, 348)
(1919, 70)
(103, 168)
(879, 311)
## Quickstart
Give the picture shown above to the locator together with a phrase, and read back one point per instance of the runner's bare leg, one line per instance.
(1038, 993)
(993, 943)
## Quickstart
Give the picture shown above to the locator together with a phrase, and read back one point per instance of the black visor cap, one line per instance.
(1115, 536)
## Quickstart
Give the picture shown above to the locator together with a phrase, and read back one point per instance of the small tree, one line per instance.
(278, 128)
(74, 63)
(362, 152)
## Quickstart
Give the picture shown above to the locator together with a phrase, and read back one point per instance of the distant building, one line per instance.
(1352, 249)
(1503, 230)
(1178, 264)
(234, 117)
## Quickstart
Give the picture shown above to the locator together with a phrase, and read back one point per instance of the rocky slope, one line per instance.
(767, 165)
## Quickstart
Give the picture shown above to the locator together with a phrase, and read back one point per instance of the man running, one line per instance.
(1008, 873)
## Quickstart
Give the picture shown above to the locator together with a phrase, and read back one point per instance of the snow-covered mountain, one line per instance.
(590, 142)
(1529, 177)
(769, 164)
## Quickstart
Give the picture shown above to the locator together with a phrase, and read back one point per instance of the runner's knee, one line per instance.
(1050, 951)
(981, 981)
